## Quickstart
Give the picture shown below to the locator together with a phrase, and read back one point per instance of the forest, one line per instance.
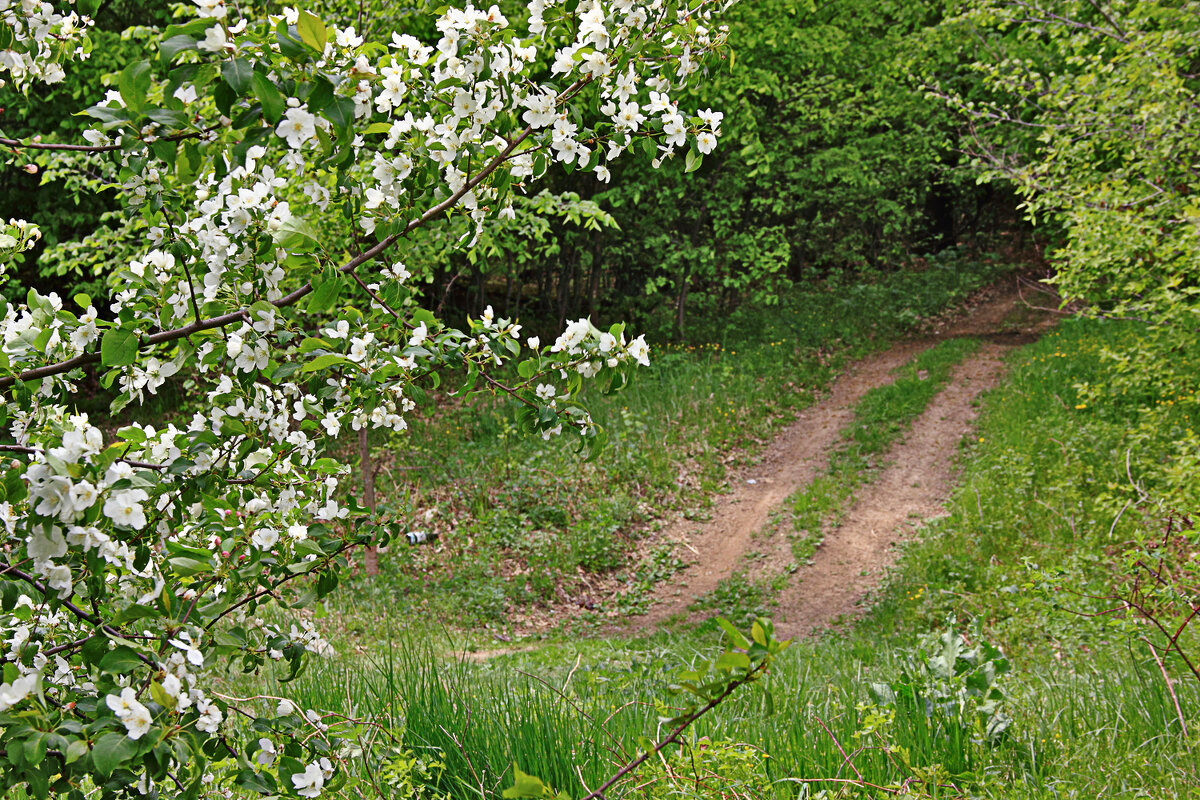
(597, 399)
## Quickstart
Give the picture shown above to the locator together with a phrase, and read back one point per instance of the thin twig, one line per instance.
(17, 144)
(19, 448)
(846, 761)
(851, 781)
(578, 709)
(67, 604)
(674, 735)
(1170, 686)
(297, 295)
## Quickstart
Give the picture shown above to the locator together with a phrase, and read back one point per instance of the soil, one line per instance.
(912, 486)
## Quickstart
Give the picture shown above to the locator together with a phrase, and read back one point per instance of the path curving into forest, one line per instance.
(911, 488)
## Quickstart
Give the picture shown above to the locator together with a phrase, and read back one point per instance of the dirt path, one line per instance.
(910, 489)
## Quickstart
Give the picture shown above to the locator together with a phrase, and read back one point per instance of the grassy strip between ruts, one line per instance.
(880, 419)
(1090, 713)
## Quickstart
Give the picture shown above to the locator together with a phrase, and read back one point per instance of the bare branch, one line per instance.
(17, 144)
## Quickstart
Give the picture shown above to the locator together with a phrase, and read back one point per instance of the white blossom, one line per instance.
(297, 127)
(310, 782)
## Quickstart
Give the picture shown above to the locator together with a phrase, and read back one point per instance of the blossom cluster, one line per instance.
(16, 237)
(42, 37)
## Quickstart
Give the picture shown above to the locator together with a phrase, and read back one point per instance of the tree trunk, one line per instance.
(564, 289)
(371, 556)
(681, 303)
(594, 283)
(480, 286)
(508, 288)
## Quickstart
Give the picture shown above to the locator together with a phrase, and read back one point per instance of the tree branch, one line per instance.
(74, 609)
(17, 144)
(18, 448)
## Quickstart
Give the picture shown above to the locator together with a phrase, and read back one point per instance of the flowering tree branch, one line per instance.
(250, 155)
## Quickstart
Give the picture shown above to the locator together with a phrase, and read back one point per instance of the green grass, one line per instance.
(880, 418)
(567, 714)
(739, 598)
(1044, 487)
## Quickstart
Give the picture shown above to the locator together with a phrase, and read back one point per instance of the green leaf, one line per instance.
(312, 31)
(132, 433)
(285, 371)
(35, 748)
(324, 362)
(110, 750)
(186, 163)
(94, 649)
(120, 660)
(43, 339)
(175, 45)
(312, 343)
(134, 83)
(319, 95)
(295, 234)
(324, 295)
(735, 636)
(595, 446)
(526, 786)
(288, 45)
(175, 120)
(733, 660)
(159, 695)
(273, 103)
(237, 73)
(340, 112)
(118, 347)
(76, 750)
(131, 613)
(195, 27)
(189, 566)
(253, 781)
(692, 161)
(224, 96)
(306, 547)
